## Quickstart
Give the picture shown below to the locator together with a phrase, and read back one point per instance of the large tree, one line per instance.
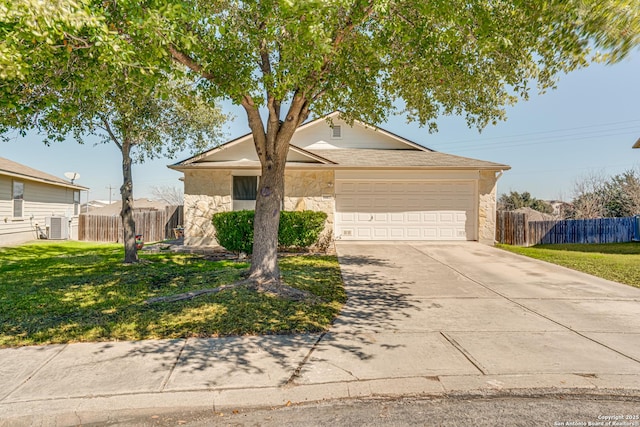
(515, 200)
(72, 71)
(283, 60)
(143, 116)
(365, 57)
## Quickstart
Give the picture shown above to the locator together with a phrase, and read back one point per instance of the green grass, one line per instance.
(619, 262)
(70, 292)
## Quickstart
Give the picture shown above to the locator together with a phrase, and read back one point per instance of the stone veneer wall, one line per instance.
(312, 191)
(487, 207)
(205, 193)
(209, 191)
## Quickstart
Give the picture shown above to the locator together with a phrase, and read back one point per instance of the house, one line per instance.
(35, 204)
(637, 144)
(373, 185)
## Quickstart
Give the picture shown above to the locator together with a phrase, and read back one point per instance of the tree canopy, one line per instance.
(362, 57)
(75, 74)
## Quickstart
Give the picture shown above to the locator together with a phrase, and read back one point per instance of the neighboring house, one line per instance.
(94, 204)
(35, 204)
(139, 205)
(637, 144)
(372, 184)
(560, 208)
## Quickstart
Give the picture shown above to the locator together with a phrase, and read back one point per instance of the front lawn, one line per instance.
(75, 291)
(619, 262)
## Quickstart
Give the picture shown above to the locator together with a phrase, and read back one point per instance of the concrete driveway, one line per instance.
(426, 319)
(465, 312)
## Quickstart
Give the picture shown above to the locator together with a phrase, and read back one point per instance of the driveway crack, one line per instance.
(173, 366)
(465, 353)
(296, 372)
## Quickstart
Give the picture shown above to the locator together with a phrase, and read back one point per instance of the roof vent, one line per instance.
(336, 132)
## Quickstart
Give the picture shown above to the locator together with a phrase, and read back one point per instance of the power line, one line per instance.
(475, 140)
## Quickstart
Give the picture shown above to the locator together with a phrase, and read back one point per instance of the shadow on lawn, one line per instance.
(374, 305)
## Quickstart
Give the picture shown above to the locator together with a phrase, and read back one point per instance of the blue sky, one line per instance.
(587, 125)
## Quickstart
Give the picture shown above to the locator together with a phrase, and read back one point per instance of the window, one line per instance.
(18, 199)
(245, 189)
(336, 132)
(76, 202)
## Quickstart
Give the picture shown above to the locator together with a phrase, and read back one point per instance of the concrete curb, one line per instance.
(101, 408)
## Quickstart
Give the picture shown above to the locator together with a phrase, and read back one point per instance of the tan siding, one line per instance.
(352, 137)
(40, 201)
(5, 188)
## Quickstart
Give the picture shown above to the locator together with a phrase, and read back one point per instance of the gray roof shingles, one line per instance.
(14, 168)
(404, 158)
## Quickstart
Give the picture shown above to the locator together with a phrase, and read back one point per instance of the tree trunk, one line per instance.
(126, 191)
(264, 260)
(272, 147)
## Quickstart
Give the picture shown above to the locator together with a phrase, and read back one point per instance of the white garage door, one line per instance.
(405, 210)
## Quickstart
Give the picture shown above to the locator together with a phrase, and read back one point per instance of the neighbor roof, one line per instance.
(637, 144)
(404, 158)
(17, 170)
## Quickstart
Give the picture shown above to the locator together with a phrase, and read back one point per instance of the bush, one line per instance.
(300, 229)
(234, 230)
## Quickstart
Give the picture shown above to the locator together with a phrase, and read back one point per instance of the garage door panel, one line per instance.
(411, 210)
(413, 217)
(396, 233)
(381, 233)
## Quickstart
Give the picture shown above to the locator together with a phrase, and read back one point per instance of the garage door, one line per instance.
(406, 210)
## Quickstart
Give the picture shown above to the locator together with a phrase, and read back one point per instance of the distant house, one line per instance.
(35, 204)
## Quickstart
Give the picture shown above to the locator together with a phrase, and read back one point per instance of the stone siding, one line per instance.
(209, 191)
(205, 193)
(487, 207)
(312, 191)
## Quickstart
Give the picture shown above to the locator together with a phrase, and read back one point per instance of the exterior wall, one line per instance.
(209, 191)
(205, 193)
(487, 207)
(356, 136)
(312, 191)
(40, 201)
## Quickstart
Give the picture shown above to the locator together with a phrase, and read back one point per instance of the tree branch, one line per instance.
(189, 62)
(256, 126)
(107, 127)
(341, 34)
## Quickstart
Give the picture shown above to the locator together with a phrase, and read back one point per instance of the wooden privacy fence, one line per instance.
(154, 225)
(514, 229)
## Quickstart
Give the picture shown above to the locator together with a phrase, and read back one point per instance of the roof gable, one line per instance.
(18, 170)
(320, 134)
(314, 135)
(315, 144)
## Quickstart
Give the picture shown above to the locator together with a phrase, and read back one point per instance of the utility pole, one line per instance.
(110, 189)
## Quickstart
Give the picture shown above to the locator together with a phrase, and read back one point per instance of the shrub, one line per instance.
(234, 230)
(300, 229)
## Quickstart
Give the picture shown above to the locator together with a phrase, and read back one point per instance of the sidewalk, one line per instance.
(393, 338)
(233, 373)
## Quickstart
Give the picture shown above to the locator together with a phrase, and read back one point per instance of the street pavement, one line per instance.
(422, 319)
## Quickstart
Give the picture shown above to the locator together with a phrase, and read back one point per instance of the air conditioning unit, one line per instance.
(57, 227)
